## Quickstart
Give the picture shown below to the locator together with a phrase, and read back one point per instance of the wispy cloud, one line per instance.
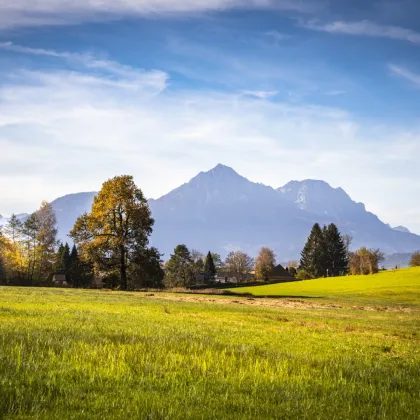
(277, 36)
(405, 74)
(260, 94)
(58, 12)
(335, 92)
(365, 28)
(113, 72)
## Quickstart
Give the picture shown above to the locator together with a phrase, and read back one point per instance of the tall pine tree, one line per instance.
(74, 270)
(210, 268)
(313, 255)
(325, 252)
(336, 262)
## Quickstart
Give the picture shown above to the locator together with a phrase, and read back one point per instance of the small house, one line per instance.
(60, 280)
(279, 274)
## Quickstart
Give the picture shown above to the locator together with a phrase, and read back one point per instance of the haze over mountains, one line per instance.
(222, 211)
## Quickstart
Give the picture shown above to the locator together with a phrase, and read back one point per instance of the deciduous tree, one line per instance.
(264, 264)
(40, 241)
(415, 259)
(147, 271)
(239, 264)
(117, 228)
(365, 261)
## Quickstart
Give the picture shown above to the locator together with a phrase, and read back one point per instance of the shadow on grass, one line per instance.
(247, 295)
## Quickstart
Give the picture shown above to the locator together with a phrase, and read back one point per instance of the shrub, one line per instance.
(303, 275)
(415, 259)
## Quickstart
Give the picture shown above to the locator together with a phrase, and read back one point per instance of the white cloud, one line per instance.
(67, 131)
(58, 12)
(365, 28)
(113, 73)
(405, 74)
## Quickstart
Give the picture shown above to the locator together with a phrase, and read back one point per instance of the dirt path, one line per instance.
(274, 303)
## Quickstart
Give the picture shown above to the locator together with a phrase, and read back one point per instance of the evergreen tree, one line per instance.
(58, 265)
(74, 268)
(313, 256)
(210, 268)
(66, 259)
(336, 260)
(180, 268)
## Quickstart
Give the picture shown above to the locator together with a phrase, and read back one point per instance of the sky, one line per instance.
(279, 90)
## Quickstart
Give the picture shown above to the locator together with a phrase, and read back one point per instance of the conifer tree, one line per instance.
(58, 265)
(74, 270)
(313, 255)
(210, 268)
(336, 260)
(65, 258)
(180, 268)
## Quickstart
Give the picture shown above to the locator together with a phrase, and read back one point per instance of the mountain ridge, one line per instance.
(222, 210)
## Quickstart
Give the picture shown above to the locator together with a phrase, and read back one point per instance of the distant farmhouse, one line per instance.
(60, 280)
(278, 275)
(226, 277)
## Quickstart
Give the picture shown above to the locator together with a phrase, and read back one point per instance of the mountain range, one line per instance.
(222, 211)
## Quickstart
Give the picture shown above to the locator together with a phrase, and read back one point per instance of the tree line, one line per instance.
(111, 242)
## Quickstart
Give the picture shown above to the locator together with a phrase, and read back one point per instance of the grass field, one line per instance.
(398, 287)
(333, 349)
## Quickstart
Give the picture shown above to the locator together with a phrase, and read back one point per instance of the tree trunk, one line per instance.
(123, 269)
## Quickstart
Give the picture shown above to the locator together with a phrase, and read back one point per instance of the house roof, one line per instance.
(280, 271)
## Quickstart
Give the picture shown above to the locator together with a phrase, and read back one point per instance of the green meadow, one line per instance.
(345, 348)
(397, 287)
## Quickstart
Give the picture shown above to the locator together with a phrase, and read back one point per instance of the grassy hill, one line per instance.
(398, 287)
(75, 354)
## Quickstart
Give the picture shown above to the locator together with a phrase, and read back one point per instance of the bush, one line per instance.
(415, 259)
(303, 275)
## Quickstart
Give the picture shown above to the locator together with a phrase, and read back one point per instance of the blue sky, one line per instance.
(161, 89)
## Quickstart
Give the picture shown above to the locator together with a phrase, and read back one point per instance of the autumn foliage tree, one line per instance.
(29, 247)
(415, 259)
(365, 261)
(264, 264)
(117, 229)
